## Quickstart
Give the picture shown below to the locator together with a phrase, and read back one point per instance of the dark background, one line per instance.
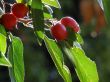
(39, 67)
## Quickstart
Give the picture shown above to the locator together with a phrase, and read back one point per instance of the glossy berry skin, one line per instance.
(70, 22)
(20, 10)
(59, 32)
(8, 20)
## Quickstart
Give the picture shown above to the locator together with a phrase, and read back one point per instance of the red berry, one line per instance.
(8, 20)
(59, 32)
(20, 10)
(70, 22)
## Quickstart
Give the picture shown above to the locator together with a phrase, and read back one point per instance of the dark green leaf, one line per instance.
(85, 68)
(2, 30)
(53, 3)
(39, 34)
(38, 19)
(15, 54)
(71, 36)
(57, 57)
(106, 5)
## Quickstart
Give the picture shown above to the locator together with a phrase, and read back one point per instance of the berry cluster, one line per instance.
(9, 20)
(59, 30)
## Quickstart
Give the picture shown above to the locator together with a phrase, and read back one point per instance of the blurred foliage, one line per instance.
(38, 64)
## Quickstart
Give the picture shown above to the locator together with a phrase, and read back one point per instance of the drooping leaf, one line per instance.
(38, 19)
(57, 57)
(4, 61)
(53, 3)
(3, 45)
(15, 54)
(85, 68)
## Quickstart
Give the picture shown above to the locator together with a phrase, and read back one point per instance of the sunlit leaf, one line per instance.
(15, 54)
(19, 1)
(53, 3)
(85, 68)
(29, 2)
(57, 57)
(4, 61)
(47, 15)
(3, 43)
(79, 38)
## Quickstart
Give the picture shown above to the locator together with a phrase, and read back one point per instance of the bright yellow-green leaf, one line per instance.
(85, 68)
(19, 1)
(57, 57)
(3, 43)
(79, 38)
(15, 54)
(53, 3)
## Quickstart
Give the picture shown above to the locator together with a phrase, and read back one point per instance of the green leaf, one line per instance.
(79, 38)
(53, 3)
(3, 43)
(22, 1)
(47, 12)
(37, 4)
(4, 61)
(47, 15)
(15, 54)
(38, 19)
(39, 36)
(2, 30)
(85, 68)
(106, 5)
(57, 57)
(19, 1)
(29, 2)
